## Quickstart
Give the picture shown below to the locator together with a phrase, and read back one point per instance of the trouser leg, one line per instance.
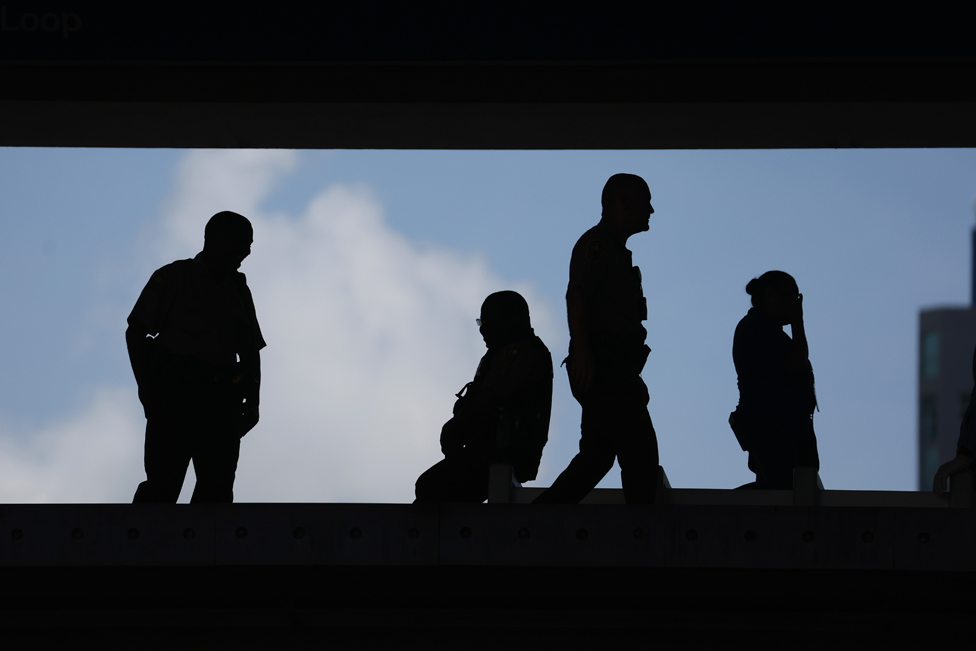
(462, 479)
(215, 464)
(630, 429)
(589, 466)
(779, 450)
(167, 456)
(774, 458)
(614, 424)
(806, 449)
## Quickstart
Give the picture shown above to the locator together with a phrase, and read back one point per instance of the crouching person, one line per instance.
(502, 416)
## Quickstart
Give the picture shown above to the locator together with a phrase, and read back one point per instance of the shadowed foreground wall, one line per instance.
(369, 574)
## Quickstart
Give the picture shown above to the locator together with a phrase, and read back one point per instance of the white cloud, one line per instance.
(94, 456)
(369, 336)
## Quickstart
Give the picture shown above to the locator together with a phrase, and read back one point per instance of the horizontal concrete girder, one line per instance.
(486, 126)
(683, 105)
(848, 538)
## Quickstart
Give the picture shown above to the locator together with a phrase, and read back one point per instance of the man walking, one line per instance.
(606, 307)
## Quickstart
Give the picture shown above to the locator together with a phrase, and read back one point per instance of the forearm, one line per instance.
(798, 360)
(576, 316)
(252, 376)
(135, 341)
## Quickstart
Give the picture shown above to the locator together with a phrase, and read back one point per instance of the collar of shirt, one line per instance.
(610, 235)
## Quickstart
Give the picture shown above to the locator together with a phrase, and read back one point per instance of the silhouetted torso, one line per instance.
(512, 393)
(602, 268)
(773, 420)
(197, 314)
(760, 349)
(506, 409)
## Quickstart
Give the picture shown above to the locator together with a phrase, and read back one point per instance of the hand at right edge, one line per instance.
(947, 469)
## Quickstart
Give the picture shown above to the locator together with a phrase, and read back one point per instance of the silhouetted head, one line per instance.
(775, 293)
(227, 240)
(504, 318)
(627, 204)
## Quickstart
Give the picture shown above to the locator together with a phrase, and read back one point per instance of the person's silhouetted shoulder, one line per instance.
(199, 313)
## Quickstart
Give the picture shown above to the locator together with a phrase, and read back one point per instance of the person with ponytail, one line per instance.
(773, 421)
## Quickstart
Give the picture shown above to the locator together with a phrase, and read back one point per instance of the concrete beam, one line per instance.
(349, 535)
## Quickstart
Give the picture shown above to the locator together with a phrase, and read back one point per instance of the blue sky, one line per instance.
(870, 235)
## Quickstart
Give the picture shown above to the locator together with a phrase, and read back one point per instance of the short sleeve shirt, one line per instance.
(194, 313)
(602, 269)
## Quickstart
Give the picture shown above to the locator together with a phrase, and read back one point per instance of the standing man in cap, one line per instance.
(194, 343)
(606, 307)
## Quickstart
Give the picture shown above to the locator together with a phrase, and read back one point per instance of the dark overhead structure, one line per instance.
(494, 75)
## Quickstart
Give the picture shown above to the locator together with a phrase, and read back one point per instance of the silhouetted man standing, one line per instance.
(502, 416)
(193, 342)
(605, 305)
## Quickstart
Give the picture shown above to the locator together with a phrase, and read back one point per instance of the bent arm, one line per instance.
(576, 315)
(582, 364)
(799, 359)
(251, 362)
